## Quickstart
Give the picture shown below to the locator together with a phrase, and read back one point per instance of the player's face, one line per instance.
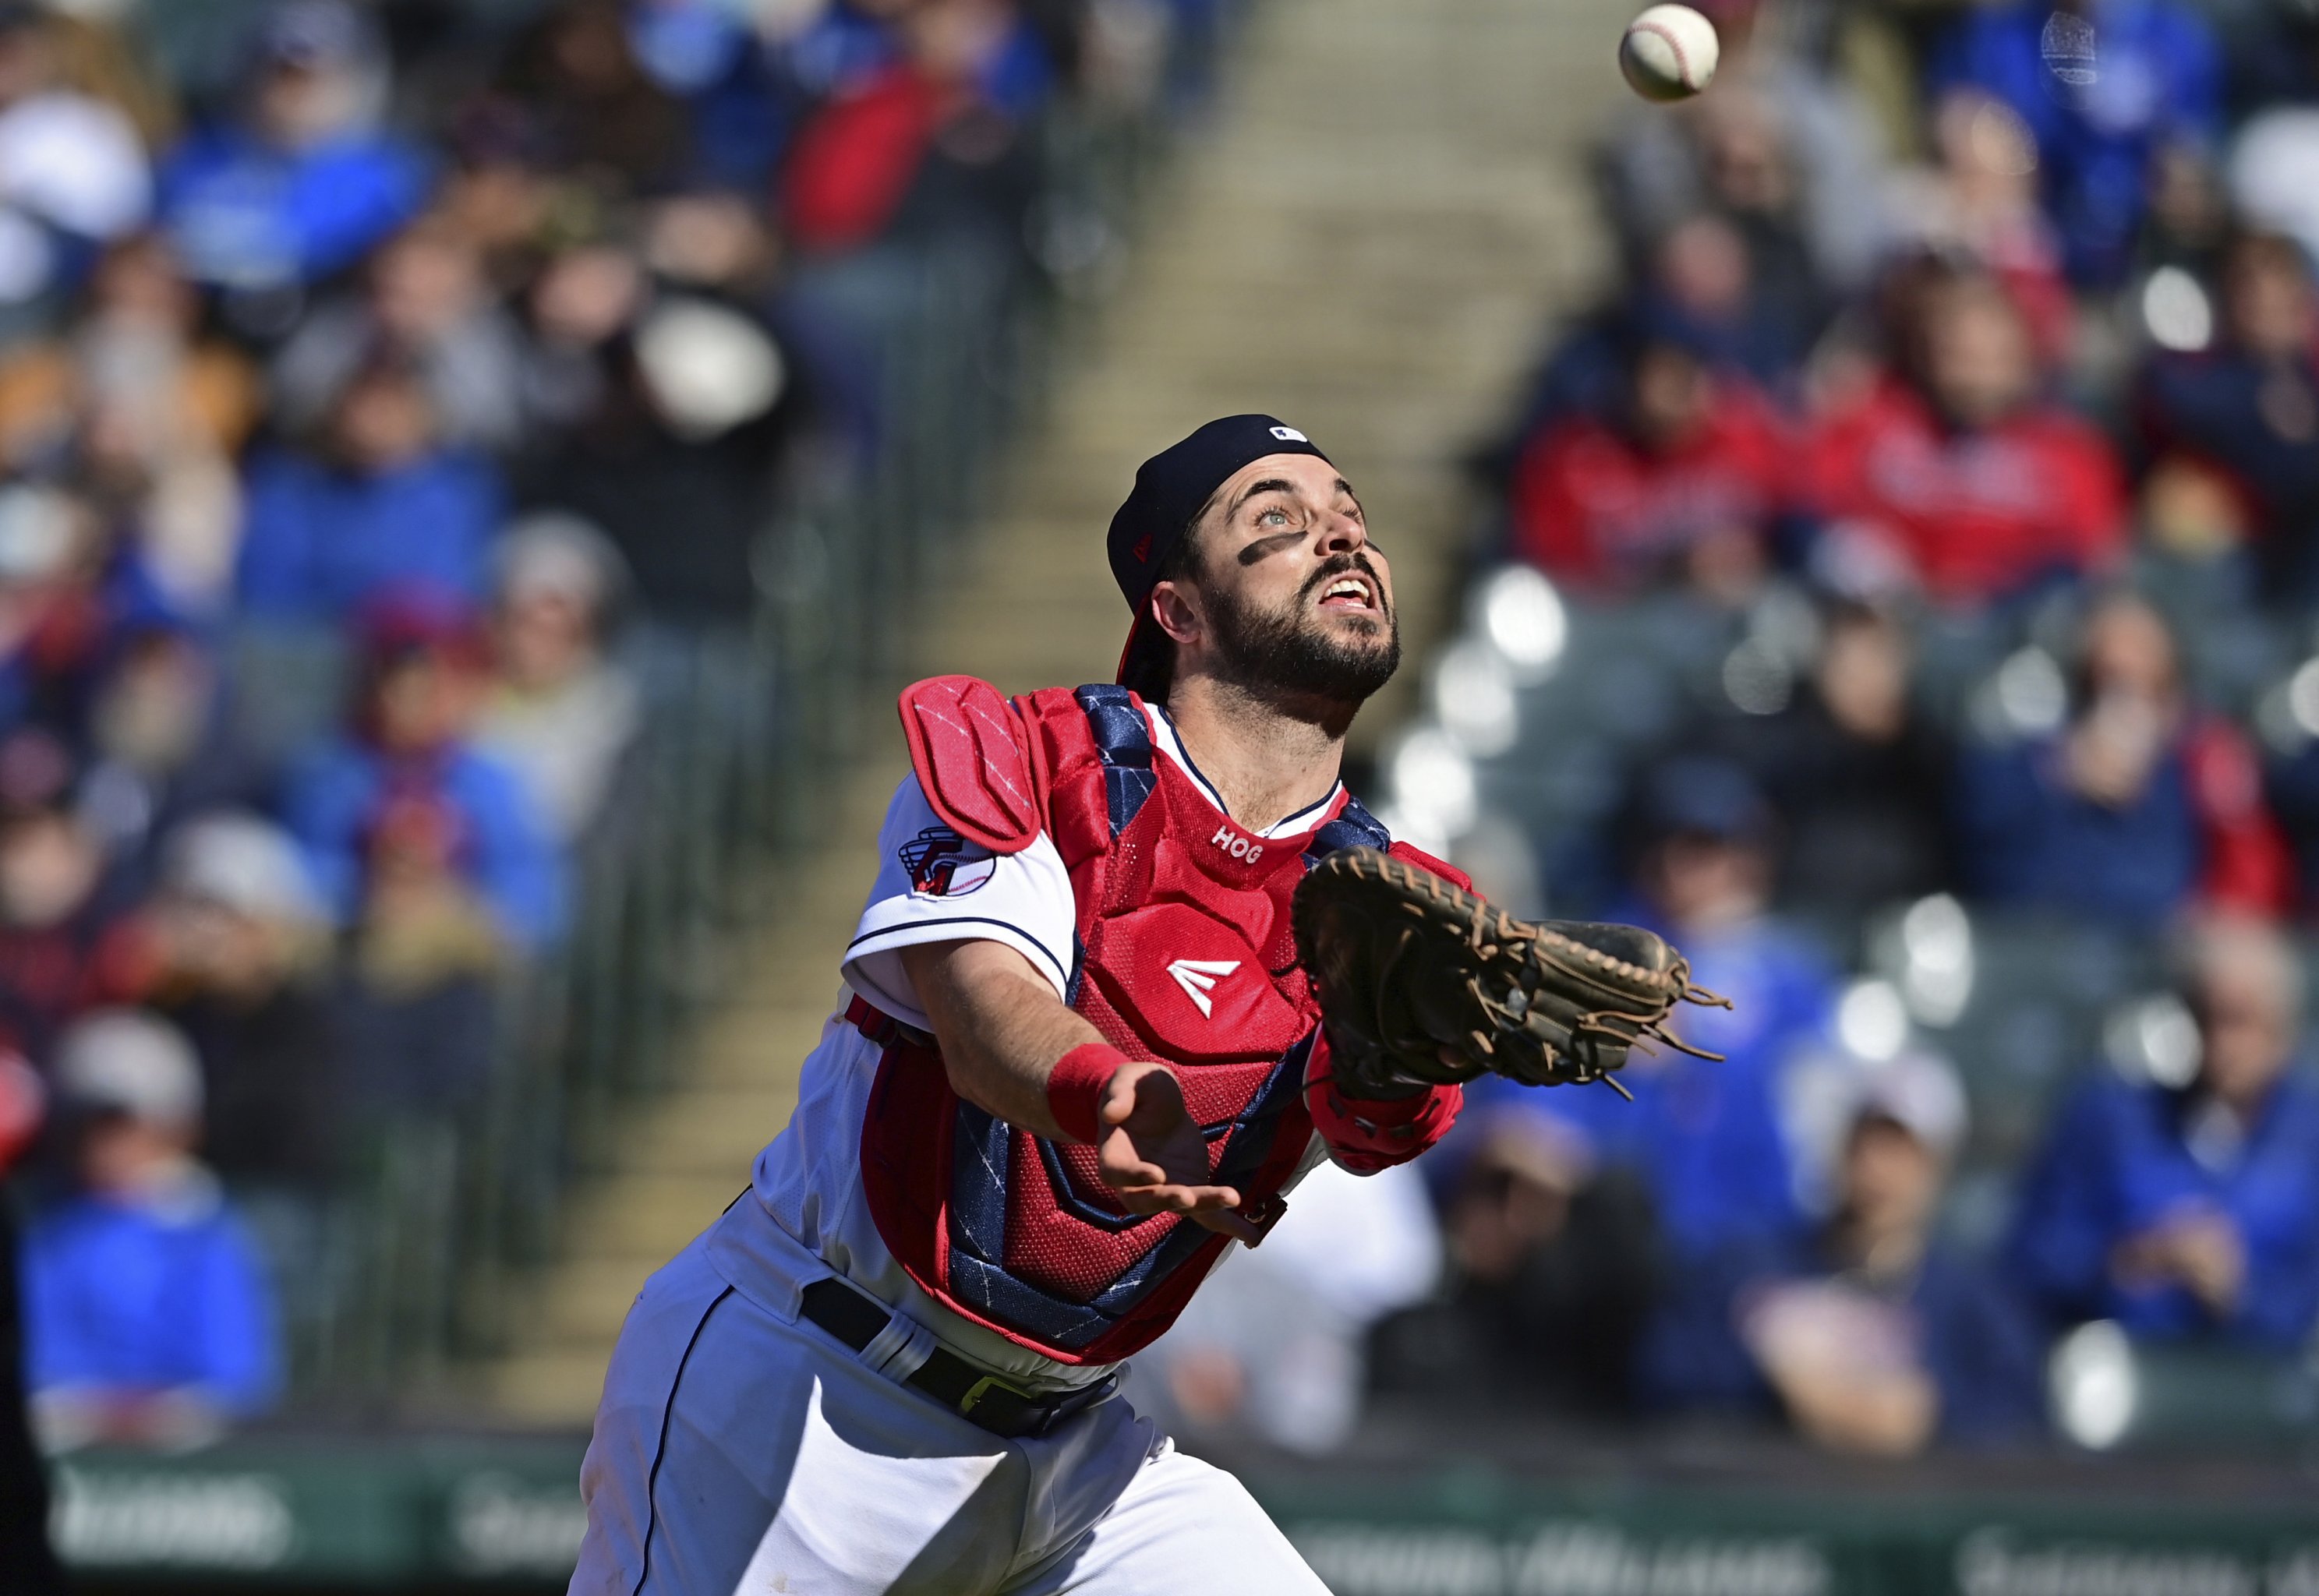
(1295, 597)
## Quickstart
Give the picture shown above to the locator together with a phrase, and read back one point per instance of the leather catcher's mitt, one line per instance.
(1424, 984)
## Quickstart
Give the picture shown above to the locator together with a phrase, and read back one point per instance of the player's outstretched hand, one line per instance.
(1153, 1155)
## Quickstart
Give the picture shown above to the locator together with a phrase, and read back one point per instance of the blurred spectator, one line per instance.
(2291, 785)
(161, 412)
(304, 182)
(160, 747)
(387, 503)
(2189, 219)
(1679, 483)
(134, 369)
(724, 69)
(73, 174)
(583, 306)
(1871, 1336)
(899, 144)
(1857, 772)
(2271, 170)
(2137, 806)
(2105, 85)
(61, 917)
(594, 109)
(2190, 1211)
(560, 712)
(52, 615)
(1782, 151)
(668, 410)
(1954, 476)
(148, 1316)
(427, 302)
(235, 946)
(1705, 1137)
(1699, 296)
(1978, 200)
(404, 822)
(2245, 414)
(1273, 1345)
(416, 1008)
(1552, 1269)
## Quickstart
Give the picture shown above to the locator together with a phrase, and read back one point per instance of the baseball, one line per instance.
(1669, 53)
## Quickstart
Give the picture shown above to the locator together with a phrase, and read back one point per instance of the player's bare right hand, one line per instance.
(1153, 1155)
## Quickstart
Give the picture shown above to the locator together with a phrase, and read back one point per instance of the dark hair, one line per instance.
(1152, 674)
(2260, 247)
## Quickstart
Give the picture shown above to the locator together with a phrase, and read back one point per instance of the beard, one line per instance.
(1290, 653)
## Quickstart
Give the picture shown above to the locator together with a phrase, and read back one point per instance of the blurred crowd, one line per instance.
(394, 400)
(1901, 592)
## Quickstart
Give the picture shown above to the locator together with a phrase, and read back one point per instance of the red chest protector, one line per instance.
(1183, 954)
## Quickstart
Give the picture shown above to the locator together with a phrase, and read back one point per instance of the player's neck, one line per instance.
(1268, 761)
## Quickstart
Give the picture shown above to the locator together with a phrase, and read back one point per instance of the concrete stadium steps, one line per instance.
(1369, 240)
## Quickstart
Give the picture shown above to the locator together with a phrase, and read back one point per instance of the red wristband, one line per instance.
(1075, 1089)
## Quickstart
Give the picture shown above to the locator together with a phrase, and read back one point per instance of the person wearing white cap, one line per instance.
(240, 942)
(148, 1314)
(1873, 1336)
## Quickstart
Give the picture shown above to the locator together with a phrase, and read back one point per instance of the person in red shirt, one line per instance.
(1680, 484)
(1954, 476)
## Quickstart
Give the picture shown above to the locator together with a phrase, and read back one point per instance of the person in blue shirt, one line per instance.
(2103, 85)
(384, 506)
(148, 1315)
(2141, 805)
(2190, 1211)
(1705, 1137)
(307, 183)
(404, 809)
(1872, 1335)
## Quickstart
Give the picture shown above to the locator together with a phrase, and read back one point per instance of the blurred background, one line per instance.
(472, 473)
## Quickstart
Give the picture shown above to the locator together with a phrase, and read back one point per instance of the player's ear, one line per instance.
(1175, 608)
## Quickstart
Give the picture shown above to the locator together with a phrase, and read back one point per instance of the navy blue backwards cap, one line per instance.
(1172, 489)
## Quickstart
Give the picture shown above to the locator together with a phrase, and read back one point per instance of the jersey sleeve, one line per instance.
(935, 886)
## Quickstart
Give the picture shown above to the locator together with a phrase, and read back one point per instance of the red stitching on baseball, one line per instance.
(1682, 67)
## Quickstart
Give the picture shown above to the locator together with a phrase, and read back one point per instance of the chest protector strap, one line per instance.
(1123, 736)
(1354, 828)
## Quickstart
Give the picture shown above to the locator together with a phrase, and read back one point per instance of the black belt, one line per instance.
(979, 1398)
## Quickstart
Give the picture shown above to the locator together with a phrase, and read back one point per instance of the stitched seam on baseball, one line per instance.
(1681, 63)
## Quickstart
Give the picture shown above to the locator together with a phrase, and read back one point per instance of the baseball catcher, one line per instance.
(1134, 962)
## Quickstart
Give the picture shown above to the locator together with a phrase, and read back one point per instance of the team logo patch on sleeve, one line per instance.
(941, 863)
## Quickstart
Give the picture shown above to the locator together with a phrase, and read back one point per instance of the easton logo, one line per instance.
(1198, 977)
(941, 863)
(1237, 845)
